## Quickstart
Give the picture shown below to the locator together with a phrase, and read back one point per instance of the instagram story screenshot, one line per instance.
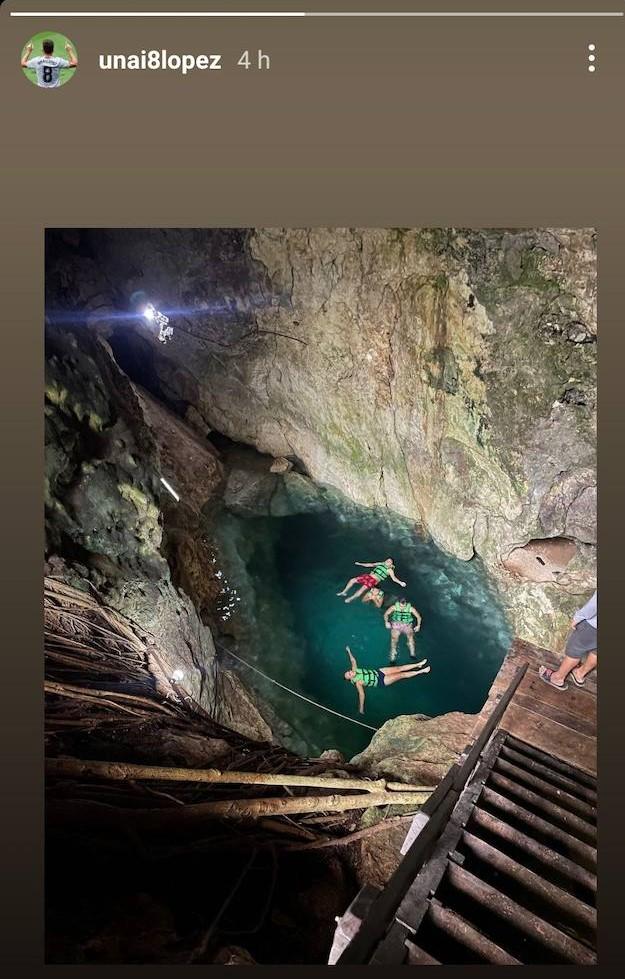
(312, 339)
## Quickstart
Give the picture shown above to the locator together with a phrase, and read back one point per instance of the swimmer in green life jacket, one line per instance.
(375, 597)
(381, 570)
(402, 618)
(378, 598)
(379, 678)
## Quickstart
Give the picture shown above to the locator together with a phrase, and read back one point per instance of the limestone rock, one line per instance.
(281, 465)
(570, 506)
(417, 749)
(332, 757)
(581, 520)
(196, 422)
(379, 855)
(249, 493)
(189, 463)
(103, 502)
(253, 492)
(236, 709)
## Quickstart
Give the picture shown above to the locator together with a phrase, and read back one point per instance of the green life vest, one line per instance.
(381, 572)
(368, 678)
(400, 614)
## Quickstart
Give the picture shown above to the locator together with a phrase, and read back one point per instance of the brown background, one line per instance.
(463, 122)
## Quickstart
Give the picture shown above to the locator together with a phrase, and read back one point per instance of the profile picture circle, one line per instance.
(49, 59)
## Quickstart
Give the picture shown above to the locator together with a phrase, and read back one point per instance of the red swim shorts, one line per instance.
(368, 580)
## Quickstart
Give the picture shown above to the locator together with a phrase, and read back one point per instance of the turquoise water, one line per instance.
(294, 627)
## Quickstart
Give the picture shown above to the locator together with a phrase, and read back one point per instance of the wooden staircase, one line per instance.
(500, 864)
(512, 879)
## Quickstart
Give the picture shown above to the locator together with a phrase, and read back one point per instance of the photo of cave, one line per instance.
(320, 596)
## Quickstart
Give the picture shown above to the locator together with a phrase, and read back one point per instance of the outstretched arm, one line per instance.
(71, 56)
(351, 658)
(362, 564)
(28, 50)
(417, 616)
(391, 574)
(361, 698)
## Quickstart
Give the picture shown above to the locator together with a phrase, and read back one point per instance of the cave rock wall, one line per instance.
(448, 375)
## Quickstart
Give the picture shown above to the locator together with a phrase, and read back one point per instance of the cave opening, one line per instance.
(287, 571)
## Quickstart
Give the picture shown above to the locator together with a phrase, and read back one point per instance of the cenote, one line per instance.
(284, 573)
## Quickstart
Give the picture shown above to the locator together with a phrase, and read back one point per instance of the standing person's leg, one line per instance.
(557, 678)
(579, 675)
(411, 643)
(581, 641)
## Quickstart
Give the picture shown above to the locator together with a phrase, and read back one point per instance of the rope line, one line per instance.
(294, 692)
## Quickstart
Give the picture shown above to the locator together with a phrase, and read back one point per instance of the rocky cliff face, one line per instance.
(447, 375)
(112, 525)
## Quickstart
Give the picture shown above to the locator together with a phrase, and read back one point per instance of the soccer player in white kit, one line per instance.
(47, 66)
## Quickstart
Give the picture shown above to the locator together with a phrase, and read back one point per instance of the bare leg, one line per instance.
(582, 671)
(350, 584)
(356, 595)
(405, 675)
(394, 641)
(406, 668)
(411, 647)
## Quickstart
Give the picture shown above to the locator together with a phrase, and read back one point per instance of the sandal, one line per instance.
(578, 683)
(545, 675)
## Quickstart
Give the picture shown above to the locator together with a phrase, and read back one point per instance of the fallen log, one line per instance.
(235, 809)
(127, 770)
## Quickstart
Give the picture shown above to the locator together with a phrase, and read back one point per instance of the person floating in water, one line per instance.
(402, 618)
(375, 596)
(383, 677)
(381, 571)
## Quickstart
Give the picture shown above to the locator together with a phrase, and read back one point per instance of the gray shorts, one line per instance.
(581, 641)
